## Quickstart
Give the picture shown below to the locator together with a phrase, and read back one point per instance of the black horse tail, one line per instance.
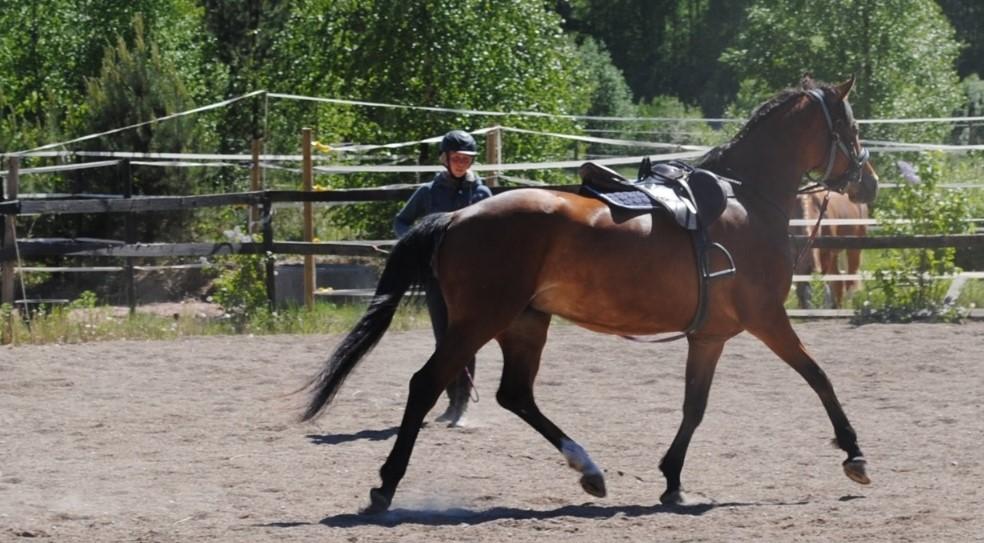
(408, 264)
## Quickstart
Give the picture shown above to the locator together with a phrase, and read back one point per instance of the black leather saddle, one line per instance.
(695, 198)
(688, 194)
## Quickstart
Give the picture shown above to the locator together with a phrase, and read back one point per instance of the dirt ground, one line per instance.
(195, 440)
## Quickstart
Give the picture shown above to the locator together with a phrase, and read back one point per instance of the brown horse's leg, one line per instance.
(701, 362)
(779, 336)
(830, 267)
(460, 344)
(853, 267)
(522, 345)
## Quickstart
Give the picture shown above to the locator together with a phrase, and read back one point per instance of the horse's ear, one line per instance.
(845, 88)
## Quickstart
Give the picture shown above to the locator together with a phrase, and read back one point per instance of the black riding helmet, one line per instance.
(459, 141)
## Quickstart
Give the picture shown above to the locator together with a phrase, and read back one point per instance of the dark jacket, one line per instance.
(438, 195)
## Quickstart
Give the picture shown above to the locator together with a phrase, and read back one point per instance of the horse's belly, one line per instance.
(623, 284)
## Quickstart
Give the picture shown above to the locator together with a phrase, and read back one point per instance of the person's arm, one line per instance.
(484, 192)
(413, 210)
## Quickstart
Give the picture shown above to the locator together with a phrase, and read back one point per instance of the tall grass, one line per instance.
(104, 323)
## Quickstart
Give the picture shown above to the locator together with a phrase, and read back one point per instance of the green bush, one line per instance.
(903, 288)
(241, 287)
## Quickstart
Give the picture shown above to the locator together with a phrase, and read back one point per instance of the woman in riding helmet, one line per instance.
(452, 189)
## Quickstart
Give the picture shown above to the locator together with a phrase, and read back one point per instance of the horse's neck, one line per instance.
(767, 172)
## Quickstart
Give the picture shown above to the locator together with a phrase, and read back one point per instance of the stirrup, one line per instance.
(723, 273)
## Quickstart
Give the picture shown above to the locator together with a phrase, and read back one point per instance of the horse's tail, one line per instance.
(408, 264)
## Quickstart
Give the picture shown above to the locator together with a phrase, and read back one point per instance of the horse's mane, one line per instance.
(763, 111)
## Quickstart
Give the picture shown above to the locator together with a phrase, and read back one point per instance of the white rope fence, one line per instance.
(492, 113)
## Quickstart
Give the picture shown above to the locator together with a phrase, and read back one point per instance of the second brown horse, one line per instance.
(825, 261)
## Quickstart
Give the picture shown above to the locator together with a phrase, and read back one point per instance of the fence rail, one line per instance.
(262, 202)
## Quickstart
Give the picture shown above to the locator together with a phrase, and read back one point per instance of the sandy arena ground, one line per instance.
(195, 440)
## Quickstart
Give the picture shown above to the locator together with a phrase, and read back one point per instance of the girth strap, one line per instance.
(700, 243)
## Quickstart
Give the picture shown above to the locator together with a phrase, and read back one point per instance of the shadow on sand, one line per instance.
(368, 435)
(452, 517)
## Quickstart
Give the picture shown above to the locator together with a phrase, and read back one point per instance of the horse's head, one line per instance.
(865, 191)
(844, 153)
(810, 128)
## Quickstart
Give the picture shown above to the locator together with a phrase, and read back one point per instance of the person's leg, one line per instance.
(459, 389)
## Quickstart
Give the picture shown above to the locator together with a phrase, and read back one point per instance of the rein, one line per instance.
(813, 235)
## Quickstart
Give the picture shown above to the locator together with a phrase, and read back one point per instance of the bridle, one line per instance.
(852, 175)
(854, 158)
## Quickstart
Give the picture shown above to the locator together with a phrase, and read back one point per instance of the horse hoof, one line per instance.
(378, 503)
(680, 498)
(854, 468)
(453, 416)
(594, 484)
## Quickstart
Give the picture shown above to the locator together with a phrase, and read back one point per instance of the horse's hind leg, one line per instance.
(522, 344)
(779, 336)
(461, 343)
(702, 359)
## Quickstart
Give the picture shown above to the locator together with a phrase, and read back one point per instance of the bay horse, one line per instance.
(825, 261)
(508, 263)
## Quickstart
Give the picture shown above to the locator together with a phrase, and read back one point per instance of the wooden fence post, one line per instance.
(271, 279)
(125, 174)
(493, 153)
(307, 174)
(255, 184)
(8, 238)
(9, 223)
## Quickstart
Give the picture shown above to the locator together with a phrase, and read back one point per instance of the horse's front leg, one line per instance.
(522, 345)
(782, 339)
(701, 361)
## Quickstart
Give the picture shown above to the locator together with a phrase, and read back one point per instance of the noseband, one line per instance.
(855, 159)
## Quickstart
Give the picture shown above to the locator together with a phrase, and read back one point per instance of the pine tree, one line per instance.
(136, 84)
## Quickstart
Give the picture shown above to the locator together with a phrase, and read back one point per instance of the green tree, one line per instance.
(967, 17)
(611, 97)
(468, 54)
(49, 47)
(137, 84)
(245, 37)
(665, 47)
(902, 51)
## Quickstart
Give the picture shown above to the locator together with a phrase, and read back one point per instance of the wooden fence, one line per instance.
(261, 203)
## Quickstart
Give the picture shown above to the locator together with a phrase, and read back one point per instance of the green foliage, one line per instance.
(902, 289)
(86, 300)
(973, 106)
(137, 84)
(102, 323)
(49, 47)
(683, 132)
(666, 47)
(469, 54)
(246, 36)
(241, 287)
(967, 17)
(902, 52)
(611, 97)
